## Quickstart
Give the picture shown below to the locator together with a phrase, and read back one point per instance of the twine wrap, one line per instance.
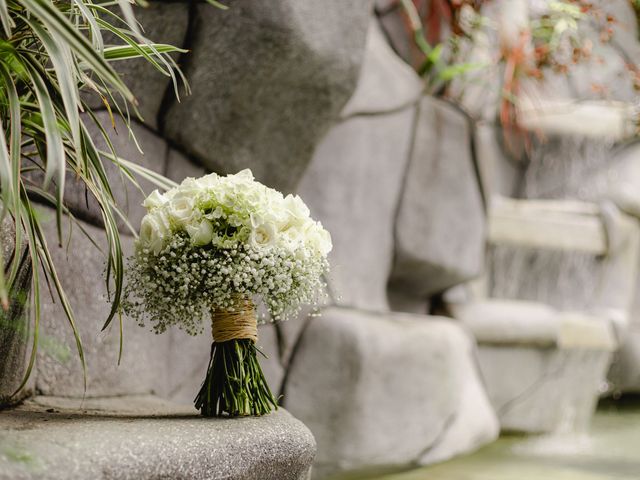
(237, 324)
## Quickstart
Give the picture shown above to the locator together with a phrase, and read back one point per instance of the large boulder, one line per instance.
(394, 389)
(268, 80)
(353, 185)
(356, 176)
(441, 220)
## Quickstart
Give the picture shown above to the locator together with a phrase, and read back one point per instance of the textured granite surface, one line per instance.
(143, 437)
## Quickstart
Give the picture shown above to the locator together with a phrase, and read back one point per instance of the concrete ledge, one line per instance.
(144, 437)
(544, 369)
(515, 322)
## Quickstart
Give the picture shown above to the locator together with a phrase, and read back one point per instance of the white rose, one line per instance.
(296, 207)
(263, 236)
(200, 234)
(292, 238)
(245, 175)
(319, 239)
(207, 181)
(154, 200)
(154, 228)
(181, 209)
(189, 187)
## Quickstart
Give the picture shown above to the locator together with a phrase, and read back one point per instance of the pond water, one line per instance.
(610, 451)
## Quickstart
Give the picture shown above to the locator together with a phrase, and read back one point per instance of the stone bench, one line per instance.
(143, 437)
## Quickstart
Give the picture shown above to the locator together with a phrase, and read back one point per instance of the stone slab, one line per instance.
(141, 438)
(512, 322)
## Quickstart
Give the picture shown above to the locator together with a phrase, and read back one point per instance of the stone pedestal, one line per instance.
(145, 438)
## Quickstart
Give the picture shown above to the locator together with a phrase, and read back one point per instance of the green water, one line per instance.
(610, 451)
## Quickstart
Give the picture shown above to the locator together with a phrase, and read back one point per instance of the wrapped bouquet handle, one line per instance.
(220, 246)
(235, 384)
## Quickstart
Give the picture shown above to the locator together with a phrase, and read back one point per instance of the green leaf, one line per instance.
(217, 4)
(458, 69)
(126, 52)
(5, 19)
(56, 22)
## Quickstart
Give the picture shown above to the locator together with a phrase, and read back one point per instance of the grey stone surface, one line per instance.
(386, 82)
(441, 221)
(393, 24)
(145, 364)
(609, 66)
(268, 80)
(144, 438)
(179, 167)
(392, 389)
(162, 22)
(624, 374)
(7, 238)
(127, 196)
(623, 182)
(500, 171)
(542, 389)
(401, 301)
(622, 179)
(625, 38)
(353, 186)
(291, 332)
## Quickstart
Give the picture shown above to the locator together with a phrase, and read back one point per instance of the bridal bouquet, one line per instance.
(214, 247)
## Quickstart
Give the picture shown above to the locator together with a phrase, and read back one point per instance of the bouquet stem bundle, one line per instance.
(235, 384)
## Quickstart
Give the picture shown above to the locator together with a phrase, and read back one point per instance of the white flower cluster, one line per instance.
(212, 238)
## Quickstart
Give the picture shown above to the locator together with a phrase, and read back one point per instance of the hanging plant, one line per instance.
(49, 53)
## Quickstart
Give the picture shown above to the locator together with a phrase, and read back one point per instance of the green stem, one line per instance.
(235, 384)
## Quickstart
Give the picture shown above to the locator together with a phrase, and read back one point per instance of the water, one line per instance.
(562, 168)
(609, 451)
